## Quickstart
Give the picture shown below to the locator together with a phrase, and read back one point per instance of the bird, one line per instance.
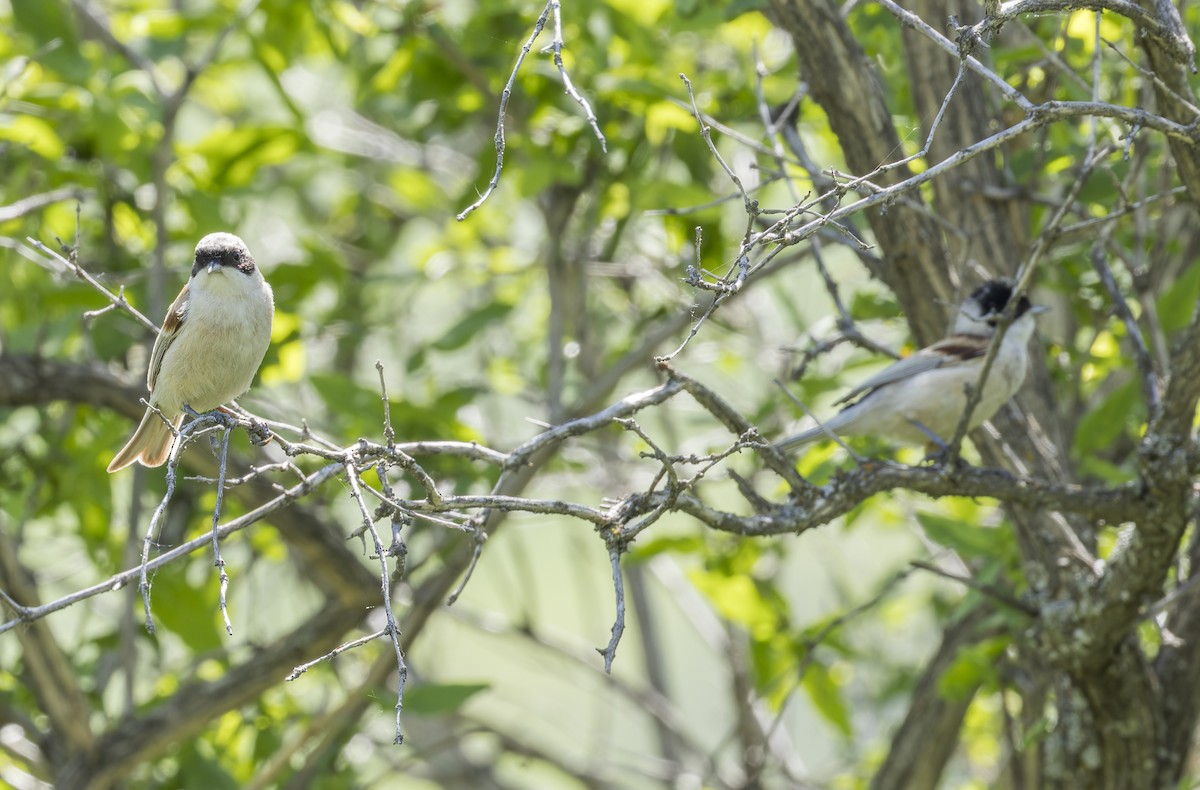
(211, 345)
(921, 398)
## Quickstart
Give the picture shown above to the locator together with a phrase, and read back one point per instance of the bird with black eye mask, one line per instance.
(921, 398)
(210, 346)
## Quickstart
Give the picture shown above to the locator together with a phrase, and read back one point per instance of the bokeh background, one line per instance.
(340, 140)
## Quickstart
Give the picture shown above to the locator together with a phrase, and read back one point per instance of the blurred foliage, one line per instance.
(340, 139)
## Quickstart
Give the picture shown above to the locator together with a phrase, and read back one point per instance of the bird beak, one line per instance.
(212, 267)
(1038, 309)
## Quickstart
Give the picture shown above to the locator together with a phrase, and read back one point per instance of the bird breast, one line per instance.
(222, 341)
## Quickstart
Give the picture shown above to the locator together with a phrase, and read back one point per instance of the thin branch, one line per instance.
(917, 23)
(1068, 232)
(119, 580)
(1024, 277)
(342, 648)
(858, 459)
(389, 434)
(1149, 376)
(556, 47)
(218, 561)
(476, 553)
(552, 7)
(1170, 33)
(848, 490)
(34, 202)
(990, 590)
(393, 630)
(183, 436)
(750, 206)
(738, 425)
(610, 652)
(505, 95)
(118, 299)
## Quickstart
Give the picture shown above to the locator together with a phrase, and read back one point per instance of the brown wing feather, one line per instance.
(962, 347)
(956, 348)
(170, 328)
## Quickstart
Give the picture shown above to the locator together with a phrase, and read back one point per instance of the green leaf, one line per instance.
(736, 598)
(663, 117)
(775, 660)
(235, 156)
(970, 540)
(35, 134)
(1092, 466)
(430, 699)
(46, 20)
(470, 325)
(871, 305)
(826, 695)
(972, 667)
(190, 612)
(198, 767)
(674, 544)
(1175, 307)
(1108, 420)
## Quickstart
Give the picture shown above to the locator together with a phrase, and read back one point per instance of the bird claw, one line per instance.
(937, 452)
(259, 433)
(934, 439)
(938, 455)
(219, 416)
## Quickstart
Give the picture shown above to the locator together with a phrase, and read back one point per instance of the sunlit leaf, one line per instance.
(735, 598)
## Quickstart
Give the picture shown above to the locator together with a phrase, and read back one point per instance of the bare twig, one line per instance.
(119, 580)
(1024, 277)
(32, 203)
(389, 434)
(610, 652)
(552, 7)
(118, 299)
(183, 436)
(218, 561)
(751, 206)
(342, 648)
(352, 480)
(1145, 364)
(556, 47)
(476, 552)
(990, 590)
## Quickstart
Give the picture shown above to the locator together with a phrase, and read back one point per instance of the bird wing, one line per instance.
(948, 351)
(170, 328)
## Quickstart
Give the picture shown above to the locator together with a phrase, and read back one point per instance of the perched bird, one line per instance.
(920, 399)
(212, 341)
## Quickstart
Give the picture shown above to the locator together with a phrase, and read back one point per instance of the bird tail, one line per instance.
(825, 430)
(802, 438)
(150, 444)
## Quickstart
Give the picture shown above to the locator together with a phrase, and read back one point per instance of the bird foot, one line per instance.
(219, 416)
(937, 452)
(259, 433)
